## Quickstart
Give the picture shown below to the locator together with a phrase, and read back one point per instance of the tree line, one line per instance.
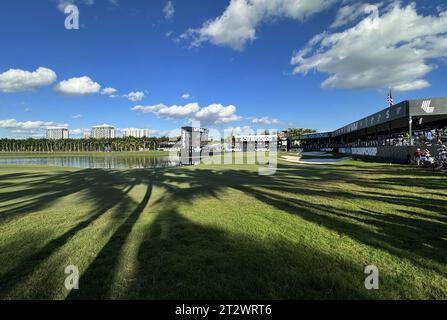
(125, 144)
(297, 133)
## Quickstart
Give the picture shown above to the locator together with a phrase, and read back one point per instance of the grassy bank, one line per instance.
(224, 232)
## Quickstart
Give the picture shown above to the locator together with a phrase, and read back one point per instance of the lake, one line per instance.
(96, 162)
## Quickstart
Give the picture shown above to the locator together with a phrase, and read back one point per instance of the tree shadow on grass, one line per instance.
(179, 259)
(101, 272)
(182, 259)
(98, 189)
(412, 238)
(195, 261)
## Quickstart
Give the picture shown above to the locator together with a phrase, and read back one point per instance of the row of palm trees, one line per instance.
(126, 144)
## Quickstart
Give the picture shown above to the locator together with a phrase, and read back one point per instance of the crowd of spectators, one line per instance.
(419, 138)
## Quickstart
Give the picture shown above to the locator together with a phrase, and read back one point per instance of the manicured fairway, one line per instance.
(224, 232)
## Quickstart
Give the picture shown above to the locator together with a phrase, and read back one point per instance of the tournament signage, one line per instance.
(320, 135)
(256, 138)
(398, 111)
(427, 107)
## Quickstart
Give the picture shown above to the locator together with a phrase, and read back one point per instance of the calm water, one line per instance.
(100, 162)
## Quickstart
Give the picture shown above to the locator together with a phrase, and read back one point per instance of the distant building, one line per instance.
(56, 133)
(104, 131)
(87, 134)
(255, 142)
(136, 133)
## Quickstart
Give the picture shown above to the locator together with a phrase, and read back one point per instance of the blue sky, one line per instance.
(236, 63)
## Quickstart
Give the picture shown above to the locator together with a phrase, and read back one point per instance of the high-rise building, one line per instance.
(56, 133)
(104, 131)
(136, 133)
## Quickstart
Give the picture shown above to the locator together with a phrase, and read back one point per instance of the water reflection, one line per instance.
(100, 162)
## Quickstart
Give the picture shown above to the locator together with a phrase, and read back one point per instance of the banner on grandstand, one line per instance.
(427, 107)
(397, 112)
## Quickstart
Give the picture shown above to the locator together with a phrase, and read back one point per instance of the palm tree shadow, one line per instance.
(181, 259)
(193, 261)
(101, 272)
(98, 191)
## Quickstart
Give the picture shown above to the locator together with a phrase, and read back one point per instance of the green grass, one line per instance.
(306, 232)
(71, 154)
(326, 156)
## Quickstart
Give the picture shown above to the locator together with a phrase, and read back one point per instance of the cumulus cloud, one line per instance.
(186, 96)
(77, 116)
(397, 49)
(240, 20)
(28, 125)
(217, 113)
(15, 80)
(178, 111)
(264, 120)
(212, 114)
(171, 112)
(135, 96)
(109, 91)
(169, 10)
(82, 86)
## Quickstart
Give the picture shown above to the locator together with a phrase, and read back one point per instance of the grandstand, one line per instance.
(389, 135)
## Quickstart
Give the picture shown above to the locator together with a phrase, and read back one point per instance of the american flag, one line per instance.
(390, 99)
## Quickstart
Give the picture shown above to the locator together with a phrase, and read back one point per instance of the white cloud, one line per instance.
(109, 91)
(212, 114)
(397, 50)
(169, 10)
(186, 96)
(238, 24)
(171, 112)
(352, 12)
(179, 111)
(77, 87)
(149, 109)
(264, 120)
(61, 4)
(135, 96)
(15, 80)
(28, 125)
(217, 113)
(415, 85)
(238, 131)
(77, 116)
